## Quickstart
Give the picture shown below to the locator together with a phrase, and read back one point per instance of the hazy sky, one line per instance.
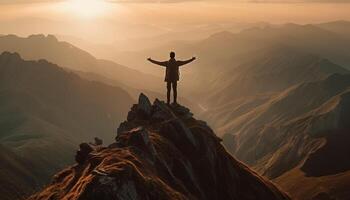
(116, 19)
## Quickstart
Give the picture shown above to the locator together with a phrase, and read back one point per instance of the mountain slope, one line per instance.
(37, 47)
(340, 27)
(16, 180)
(309, 38)
(297, 133)
(258, 79)
(161, 152)
(225, 54)
(45, 112)
(269, 70)
(222, 46)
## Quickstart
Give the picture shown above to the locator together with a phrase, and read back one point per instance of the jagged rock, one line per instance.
(144, 107)
(82, 154)
(125, 127)
(97, 142)
(161, 112)
(139, 138)
(182, 111)
(132, 114)
(140, 111)
(178, 133)
(165, 156)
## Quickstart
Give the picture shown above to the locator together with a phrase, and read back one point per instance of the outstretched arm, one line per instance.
(157, 62)
(180, 63)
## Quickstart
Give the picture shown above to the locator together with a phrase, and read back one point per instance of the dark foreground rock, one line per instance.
(161, 152)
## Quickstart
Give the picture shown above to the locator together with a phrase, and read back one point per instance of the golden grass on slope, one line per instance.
(303, 188)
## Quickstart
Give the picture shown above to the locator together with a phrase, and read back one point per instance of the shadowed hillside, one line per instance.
(16, 180)
(45, 112)
(269, 71)
(258, 79)
(340, 27)
(299, 137)
(160, 152)
(70, 57)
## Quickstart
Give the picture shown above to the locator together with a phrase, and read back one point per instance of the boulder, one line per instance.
(83, 153)
(144, 107)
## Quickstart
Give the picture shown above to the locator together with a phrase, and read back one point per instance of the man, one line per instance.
(172, 74)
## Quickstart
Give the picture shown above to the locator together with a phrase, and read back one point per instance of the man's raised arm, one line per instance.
(157, 62)
(180, 63)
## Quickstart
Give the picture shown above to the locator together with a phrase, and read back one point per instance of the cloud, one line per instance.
(232, 1)
(26, 1)
(178, 1)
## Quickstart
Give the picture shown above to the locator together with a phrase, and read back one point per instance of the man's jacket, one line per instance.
(172, 72)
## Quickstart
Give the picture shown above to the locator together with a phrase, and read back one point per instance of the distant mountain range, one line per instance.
(308, 37)
(222, 52)
(269, 71)
(45, 112)
(64, 54)
(340, 27)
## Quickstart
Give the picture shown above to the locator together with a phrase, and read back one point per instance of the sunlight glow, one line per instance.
(87, 8)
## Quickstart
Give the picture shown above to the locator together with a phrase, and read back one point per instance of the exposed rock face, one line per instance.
(161, 152)
(144, 107)
(83, 152)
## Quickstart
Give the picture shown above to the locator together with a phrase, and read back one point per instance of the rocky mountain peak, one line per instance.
(160, 152)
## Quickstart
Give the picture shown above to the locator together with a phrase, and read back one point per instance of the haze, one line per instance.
(105, 21)
(271, 78)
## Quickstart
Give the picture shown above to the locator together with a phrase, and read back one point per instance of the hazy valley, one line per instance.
(278, 96)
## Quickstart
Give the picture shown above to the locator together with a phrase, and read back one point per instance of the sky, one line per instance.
(106, 21)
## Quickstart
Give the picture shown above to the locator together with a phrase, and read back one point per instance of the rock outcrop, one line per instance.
(161, 152)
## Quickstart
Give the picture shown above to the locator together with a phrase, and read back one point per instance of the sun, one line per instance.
(87, 8)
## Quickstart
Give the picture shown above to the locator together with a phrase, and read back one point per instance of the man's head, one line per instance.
(172, 54)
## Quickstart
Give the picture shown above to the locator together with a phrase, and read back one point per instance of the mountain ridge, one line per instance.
(161, 152)
(304, 138)
(70, 57)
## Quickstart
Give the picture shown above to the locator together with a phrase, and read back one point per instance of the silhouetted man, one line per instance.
(172, 74)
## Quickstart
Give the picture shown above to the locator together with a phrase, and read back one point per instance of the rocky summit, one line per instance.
(160, 152)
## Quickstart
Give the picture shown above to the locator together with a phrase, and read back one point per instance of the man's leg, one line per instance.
(168, 87)
(175, 91)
